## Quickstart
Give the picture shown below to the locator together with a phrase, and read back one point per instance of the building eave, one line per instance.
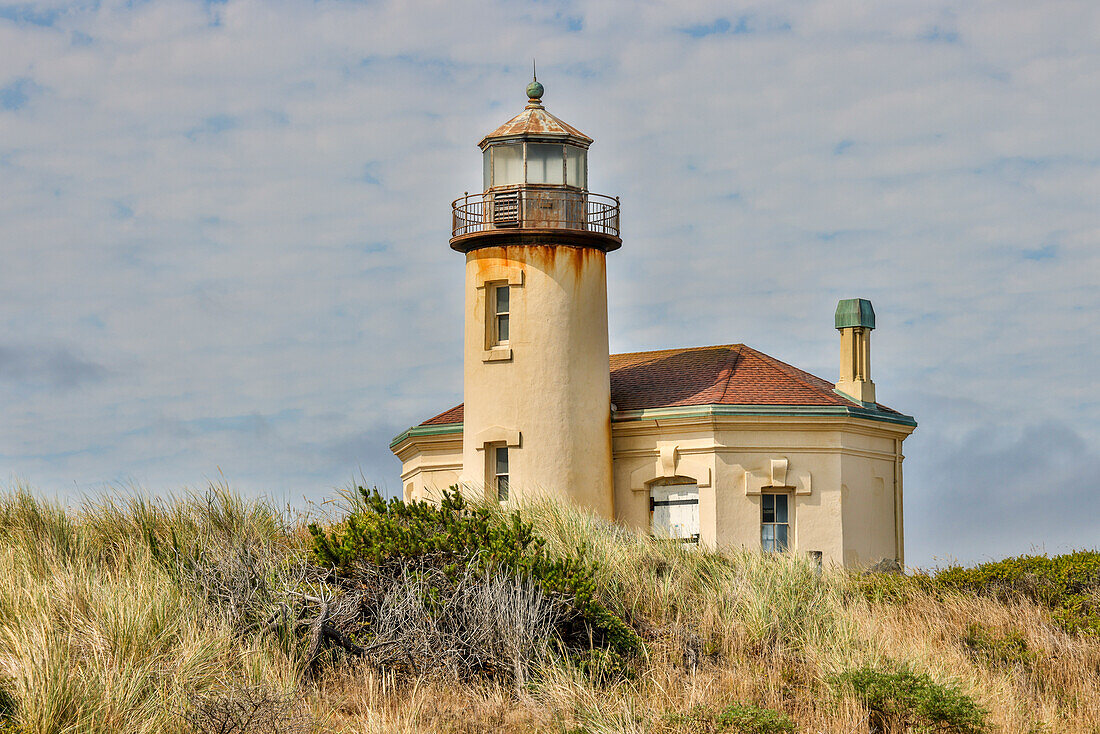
(536, 137)
(439, 429)
(793, 411)
(688, 412)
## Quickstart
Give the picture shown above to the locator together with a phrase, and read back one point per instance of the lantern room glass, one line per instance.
(555, 164)
(545, 164)
(507, 164)
(576, 166)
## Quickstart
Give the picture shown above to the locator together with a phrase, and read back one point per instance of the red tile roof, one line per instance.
(730, 374)
(454, 415)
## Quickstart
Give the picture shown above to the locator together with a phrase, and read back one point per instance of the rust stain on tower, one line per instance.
(535, 192)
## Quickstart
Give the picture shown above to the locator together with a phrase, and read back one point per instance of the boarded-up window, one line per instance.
(675, 509)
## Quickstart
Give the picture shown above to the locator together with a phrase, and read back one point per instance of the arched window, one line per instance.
(674, 506)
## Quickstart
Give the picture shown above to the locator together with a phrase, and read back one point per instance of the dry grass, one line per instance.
(96, 635)
(1056, 687)
(99, 634)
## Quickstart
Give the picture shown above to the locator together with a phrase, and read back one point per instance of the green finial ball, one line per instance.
(535, 90)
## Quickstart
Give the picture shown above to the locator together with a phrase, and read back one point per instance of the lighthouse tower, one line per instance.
(537, 395)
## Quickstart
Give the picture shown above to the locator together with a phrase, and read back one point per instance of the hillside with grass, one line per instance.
(212, 613)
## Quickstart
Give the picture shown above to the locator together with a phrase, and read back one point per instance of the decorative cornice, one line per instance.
(791, 411)
(708, 411)
(439, 429)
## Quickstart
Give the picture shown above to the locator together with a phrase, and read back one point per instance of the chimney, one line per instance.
(854, 320)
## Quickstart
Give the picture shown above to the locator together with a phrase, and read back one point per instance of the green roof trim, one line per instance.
(439, 429)
(704, 411)
(855, 312)
(790, 411)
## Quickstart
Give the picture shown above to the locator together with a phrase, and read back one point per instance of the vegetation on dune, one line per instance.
(97, 634)
(901, 699)
(738, 718)
(7, 706)
(1003, 649)
(450, 550)
(1067, 585)
(212, 613)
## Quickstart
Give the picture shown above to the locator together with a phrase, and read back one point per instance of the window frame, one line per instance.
(582, 167)
(496, 474)
(774, 523)
(493, 149)
(510, 274)
(498, 317)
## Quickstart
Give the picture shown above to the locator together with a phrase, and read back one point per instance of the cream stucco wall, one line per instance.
(547, 394)
(843, 475)
(870, 466)
(430, 462)
(839, 473)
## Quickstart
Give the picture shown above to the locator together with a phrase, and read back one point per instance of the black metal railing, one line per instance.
(535, 208)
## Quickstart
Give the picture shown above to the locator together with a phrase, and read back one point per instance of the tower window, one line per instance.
(500, 472)
(500, 314)
(774, 523)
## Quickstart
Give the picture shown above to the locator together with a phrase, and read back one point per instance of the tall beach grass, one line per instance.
(96, 635)
(99, 632)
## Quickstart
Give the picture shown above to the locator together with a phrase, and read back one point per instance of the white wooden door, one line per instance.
(675, 511)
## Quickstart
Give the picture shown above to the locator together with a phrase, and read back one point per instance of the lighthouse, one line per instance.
(721, 445)
(537, 395)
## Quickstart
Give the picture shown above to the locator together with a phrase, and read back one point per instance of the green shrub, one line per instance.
(454, 537)
(893, 588)
(748, 719)
(8, 706)
(601, 666)
(739, 718)
(901, 698)
(1068, 585)
(1008, 649)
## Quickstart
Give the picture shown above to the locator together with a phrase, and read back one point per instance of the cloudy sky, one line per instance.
(224, 226)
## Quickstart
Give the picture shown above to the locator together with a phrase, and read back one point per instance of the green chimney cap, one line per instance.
(855, 312)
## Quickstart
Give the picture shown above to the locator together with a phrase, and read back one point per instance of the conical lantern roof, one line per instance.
(535, 123)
